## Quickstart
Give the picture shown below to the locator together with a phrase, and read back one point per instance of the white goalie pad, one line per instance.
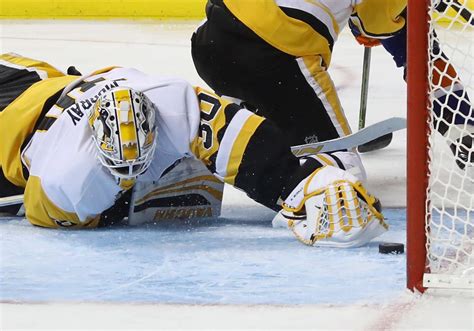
(331, 208)
(187, 191)
(336, 224)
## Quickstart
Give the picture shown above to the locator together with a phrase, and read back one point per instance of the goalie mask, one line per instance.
(123, 126)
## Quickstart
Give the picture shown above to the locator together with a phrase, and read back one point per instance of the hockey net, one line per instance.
(440, 152)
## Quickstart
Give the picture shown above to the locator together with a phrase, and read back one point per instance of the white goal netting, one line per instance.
(450, 205)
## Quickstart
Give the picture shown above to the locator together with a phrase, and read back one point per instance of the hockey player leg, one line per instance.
(187, 191)
(332, 208)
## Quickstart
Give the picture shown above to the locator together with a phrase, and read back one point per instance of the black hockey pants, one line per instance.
(234, 61)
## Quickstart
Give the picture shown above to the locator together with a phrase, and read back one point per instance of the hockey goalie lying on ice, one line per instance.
(92, 150)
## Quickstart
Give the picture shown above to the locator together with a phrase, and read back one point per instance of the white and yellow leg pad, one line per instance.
(188, 191)
(331, 208)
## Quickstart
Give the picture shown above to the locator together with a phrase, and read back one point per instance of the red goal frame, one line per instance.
(417, 140)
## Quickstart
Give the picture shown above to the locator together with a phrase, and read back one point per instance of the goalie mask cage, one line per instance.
(440, 207)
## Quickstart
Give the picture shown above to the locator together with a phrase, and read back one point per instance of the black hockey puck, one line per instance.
(391, 248)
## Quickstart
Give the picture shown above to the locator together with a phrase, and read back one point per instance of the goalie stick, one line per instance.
(365, 86)
(11, 200)
(379, 142)
(363, 136)
(369, 133)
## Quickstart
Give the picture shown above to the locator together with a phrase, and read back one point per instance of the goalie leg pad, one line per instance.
(331, 208)
(188, 191)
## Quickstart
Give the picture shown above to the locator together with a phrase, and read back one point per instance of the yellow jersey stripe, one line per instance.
(231, 134)
(41, 211)
(324, 160)
(322, 84)
(287, 34)
(17, 122)
(238, 148)
(104, 70)
(43, 69)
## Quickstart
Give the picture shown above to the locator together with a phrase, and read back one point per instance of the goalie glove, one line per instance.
(331, 208)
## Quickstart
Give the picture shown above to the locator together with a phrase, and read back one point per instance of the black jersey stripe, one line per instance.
(46, 123)
(229, 111)
(311, 20)
(14, 82)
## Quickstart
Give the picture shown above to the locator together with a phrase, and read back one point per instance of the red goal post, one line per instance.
(439, 195)
(417, 139)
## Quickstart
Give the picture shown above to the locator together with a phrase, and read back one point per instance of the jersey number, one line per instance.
(207, 117)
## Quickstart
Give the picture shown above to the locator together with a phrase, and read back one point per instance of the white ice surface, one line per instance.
(246, 274)
(232, 260)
